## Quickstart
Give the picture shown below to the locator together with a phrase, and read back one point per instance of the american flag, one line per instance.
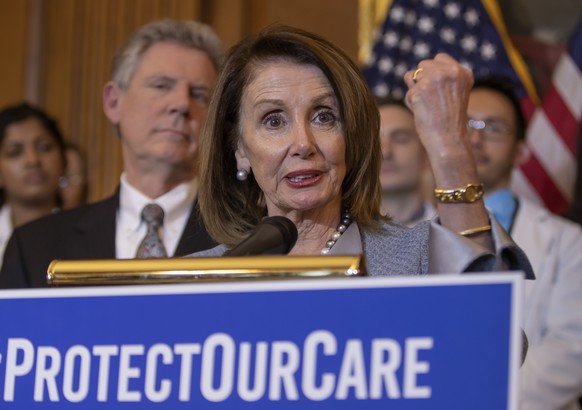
(550, 174)
(473, 32)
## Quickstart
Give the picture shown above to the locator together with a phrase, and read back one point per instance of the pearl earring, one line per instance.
(242, 175)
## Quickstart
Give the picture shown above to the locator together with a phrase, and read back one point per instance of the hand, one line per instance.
(438, 97)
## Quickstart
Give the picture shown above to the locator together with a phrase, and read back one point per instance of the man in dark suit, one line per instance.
(162, 79)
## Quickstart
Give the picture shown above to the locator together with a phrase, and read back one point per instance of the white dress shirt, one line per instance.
(130, 229)
(6, 229)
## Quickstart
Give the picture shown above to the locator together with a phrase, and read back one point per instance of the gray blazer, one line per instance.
(427, 248)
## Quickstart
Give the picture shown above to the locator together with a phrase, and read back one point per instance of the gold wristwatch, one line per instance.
(467, 194)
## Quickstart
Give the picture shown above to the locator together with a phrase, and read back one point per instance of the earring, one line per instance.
(63, 181)
(242, 175)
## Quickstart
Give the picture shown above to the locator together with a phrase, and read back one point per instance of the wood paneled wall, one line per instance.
(57, 54)
(14, 16)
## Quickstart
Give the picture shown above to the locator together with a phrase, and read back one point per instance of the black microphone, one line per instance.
(275, 235)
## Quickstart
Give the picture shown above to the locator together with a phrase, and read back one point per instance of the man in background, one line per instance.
(157, 99)
(551, 376)
(404, 165)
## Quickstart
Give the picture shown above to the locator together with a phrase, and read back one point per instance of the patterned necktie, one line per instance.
(151, 246)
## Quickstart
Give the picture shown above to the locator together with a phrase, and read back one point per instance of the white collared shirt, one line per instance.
(5, 229)
(130, 229)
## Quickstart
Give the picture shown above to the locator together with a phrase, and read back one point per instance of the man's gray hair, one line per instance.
(186, 33)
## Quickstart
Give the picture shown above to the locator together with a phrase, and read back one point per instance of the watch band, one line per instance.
(467, 194)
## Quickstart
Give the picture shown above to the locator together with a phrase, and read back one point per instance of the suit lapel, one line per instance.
(532, 232)
(194, 237)
(95, 230)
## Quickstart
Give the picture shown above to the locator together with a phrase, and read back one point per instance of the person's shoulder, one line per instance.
(389, 231)
(539, 213)
(532, 209)
(395, 250)
(64, 219)
(536, 228)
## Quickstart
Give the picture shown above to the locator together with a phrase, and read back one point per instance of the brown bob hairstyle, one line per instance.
(231, 208)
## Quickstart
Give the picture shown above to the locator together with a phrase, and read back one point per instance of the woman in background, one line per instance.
(32, 159)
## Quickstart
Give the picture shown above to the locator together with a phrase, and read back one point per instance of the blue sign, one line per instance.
(443, 342)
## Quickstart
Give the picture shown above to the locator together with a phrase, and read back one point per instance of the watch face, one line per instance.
(471, 194)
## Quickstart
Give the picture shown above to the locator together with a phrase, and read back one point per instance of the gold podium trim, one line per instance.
(189, 270)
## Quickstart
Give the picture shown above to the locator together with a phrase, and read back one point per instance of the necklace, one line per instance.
(346, 220)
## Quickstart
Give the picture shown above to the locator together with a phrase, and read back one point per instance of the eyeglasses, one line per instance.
(491, 130)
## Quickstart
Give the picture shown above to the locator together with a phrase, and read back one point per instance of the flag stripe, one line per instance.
(567, 79)
(554, 156)
(561, 119)
(553, 132)
(521, 185)
(539, 179)
(528, 107)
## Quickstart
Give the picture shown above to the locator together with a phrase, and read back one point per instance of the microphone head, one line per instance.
(286, 227)
(275, 235)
